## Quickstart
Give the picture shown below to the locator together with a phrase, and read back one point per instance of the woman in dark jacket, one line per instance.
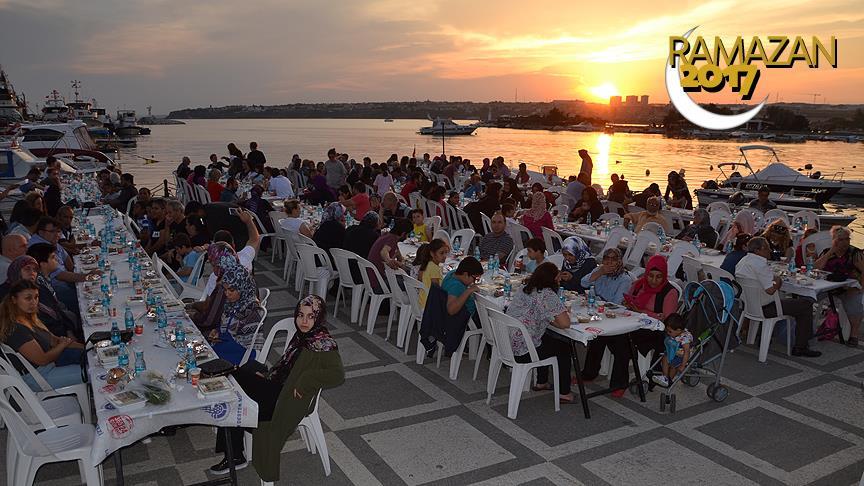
(578, 262)
(331, 232)
(286, 392)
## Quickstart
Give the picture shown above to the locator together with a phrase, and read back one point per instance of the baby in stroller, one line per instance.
(677, 343)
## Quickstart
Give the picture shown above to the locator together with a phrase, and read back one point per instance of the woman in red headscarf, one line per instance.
(652, 293)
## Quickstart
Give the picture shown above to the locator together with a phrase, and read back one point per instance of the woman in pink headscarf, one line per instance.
(652, 293)
(536, 218)
(744, 223)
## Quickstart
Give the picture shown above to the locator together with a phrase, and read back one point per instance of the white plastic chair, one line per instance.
(63, 410)
(412, 291)
(256, 338)
(553, 240)
(282, 235)
(464, 237)
(774, 214)
(483, 304)
(317, 270)
(810, 218)
(716, 273)
(557, 259)
(262, 231)
(613, 218)
(441, 235)
(464, 220)
(676, 256)
(692, 268)
(503, 355)
(263, 296)
(285, 325)
(342, 259)
(187, 291)
(487, 223)
(651, 227)
(395, 279)
(434, 223)
(674, 218)
(633, 257)
(45, 390)
(472, 333)
(520, 235)
(131, 203)
(722, 205)
(374, 298)
(822, 240)
(202, 195)
(298, 239)
(717, 216)
(614, 207)
(184, 191)
(453, 221)
(435, 208)
(751, 295)
(53, 444)
(559, 210)
(617, 237)
(516, 255)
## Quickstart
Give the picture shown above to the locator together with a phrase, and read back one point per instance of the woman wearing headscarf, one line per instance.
(206, 314)
(488, 204)
(652, 293)
(241, 315)
(317, 191)
(260, 206)
(510, 193)
(701, 227)
(286, 392)
(610, 280)
(744, 223)
(331, 231)
(588, 204)
(52, 312)
(578, 262)
(537, 218)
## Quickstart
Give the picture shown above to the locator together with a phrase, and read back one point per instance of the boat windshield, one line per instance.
(84, 139)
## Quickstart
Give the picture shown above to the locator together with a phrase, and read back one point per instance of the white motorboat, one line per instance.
(778, 177)
(16, 162)
(70, 140)
(55, 108)
(10, 109)
(707, 195)
(127, 124)
(446, 126)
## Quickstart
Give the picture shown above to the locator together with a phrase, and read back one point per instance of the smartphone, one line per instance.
(234, 211)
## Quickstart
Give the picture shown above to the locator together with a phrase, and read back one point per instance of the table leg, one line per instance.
(579, 383)
(635, 355)
(118, 467)
(229, 451)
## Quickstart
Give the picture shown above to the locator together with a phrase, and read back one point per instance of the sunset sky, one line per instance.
(176, 54)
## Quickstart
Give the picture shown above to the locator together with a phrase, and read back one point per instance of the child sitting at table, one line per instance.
(535, 254)
(428, 262)
(421, 231)
(184, 252)
(677, 342)
(509, 212)
(453, 199)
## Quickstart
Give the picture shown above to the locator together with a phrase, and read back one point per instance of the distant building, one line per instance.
(614, 101)
(644, 100)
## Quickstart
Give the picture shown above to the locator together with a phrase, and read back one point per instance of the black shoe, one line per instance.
(222, 467)
(806, 352)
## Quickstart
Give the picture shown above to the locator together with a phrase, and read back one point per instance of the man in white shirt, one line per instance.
(246, 255)
(754, 266)
(280, 184)
(12, 247)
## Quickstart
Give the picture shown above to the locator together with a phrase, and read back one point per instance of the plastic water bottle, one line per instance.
(697, 244)
(592, 298)
(180, 334)
(588, 219)
(136, 275)
(662, 236)
(191, 363)
(607, 229)
(508, 286)
(113, 280)
(392, 224)
(103, 284)
(809, 264)
(106, 303)
(561, 294)
(631, 227)
(791, 267)
(728, 248)
(115, 333)
(123, 356)
(476, 251)
(128, 318)
(140, 365)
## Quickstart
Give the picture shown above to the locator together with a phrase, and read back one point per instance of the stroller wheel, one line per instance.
(634, 387)
(671, 403)
(710, 390)
(720, 394)
(691, 380)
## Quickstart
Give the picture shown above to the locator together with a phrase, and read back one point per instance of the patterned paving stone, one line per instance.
(846, 403)
(375, 393)
(774, 438)
(435, 449)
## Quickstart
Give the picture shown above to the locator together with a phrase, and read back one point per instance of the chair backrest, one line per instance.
(256, 343)
(161, 269)
(634, 255)
(483, 304)
(616, 236)
(677, 287)
(342, 259)
(515, 255)
(775, 214)
(25, 440)
(487, 223)
(435, 208)
(717, 216)
(396, 282)
(464, 236)
(614, 207)
(131, 203)
(751, 294)
(441, 235)
(275, 217)
(414, 199)
(283, 325)
(716, 273)
(501, 326)
(674, 218)
(10, 354)
(822, 240)
(454, 222)
(464, 220)
(303, 240)
(613, 218)
(367, 267)
(651, 227)
(553, 240)
(680, 249)
(202, 195)
(559, 211)
(810, 218)
(263, 296)
(722, 205)
(758, 216)
(312, 258)
(520, 234)
(433, 222)
(412, 291)
(692, 266)
(557, 259)
(261, 228)
(197, 269)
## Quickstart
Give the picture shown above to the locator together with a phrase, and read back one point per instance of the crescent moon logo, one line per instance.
(695, 113)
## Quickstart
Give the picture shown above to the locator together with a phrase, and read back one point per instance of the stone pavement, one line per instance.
(788, 421)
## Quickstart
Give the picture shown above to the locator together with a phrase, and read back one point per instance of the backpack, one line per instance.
(830, 327)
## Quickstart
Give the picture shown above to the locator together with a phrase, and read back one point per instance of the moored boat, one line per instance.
(446, 126)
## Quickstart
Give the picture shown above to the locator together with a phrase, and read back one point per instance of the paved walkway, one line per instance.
(789, 421)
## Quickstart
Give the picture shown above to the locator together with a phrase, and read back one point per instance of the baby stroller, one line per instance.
(713, 313)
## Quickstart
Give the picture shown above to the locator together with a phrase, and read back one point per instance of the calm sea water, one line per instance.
(641, 158)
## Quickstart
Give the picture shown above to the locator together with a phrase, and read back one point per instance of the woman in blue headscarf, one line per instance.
(578, 262)
(241, 315)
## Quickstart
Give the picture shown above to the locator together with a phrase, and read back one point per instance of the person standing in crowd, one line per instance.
(677, 187)
(235, 160)
(256, 158)
(335, 171)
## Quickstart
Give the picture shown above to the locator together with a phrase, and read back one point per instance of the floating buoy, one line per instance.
(711, 167)
(617, 161)
(647, 172)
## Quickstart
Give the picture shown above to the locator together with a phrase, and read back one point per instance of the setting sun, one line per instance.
(604, 91)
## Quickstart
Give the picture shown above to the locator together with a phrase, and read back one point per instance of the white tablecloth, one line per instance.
(119, 428)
